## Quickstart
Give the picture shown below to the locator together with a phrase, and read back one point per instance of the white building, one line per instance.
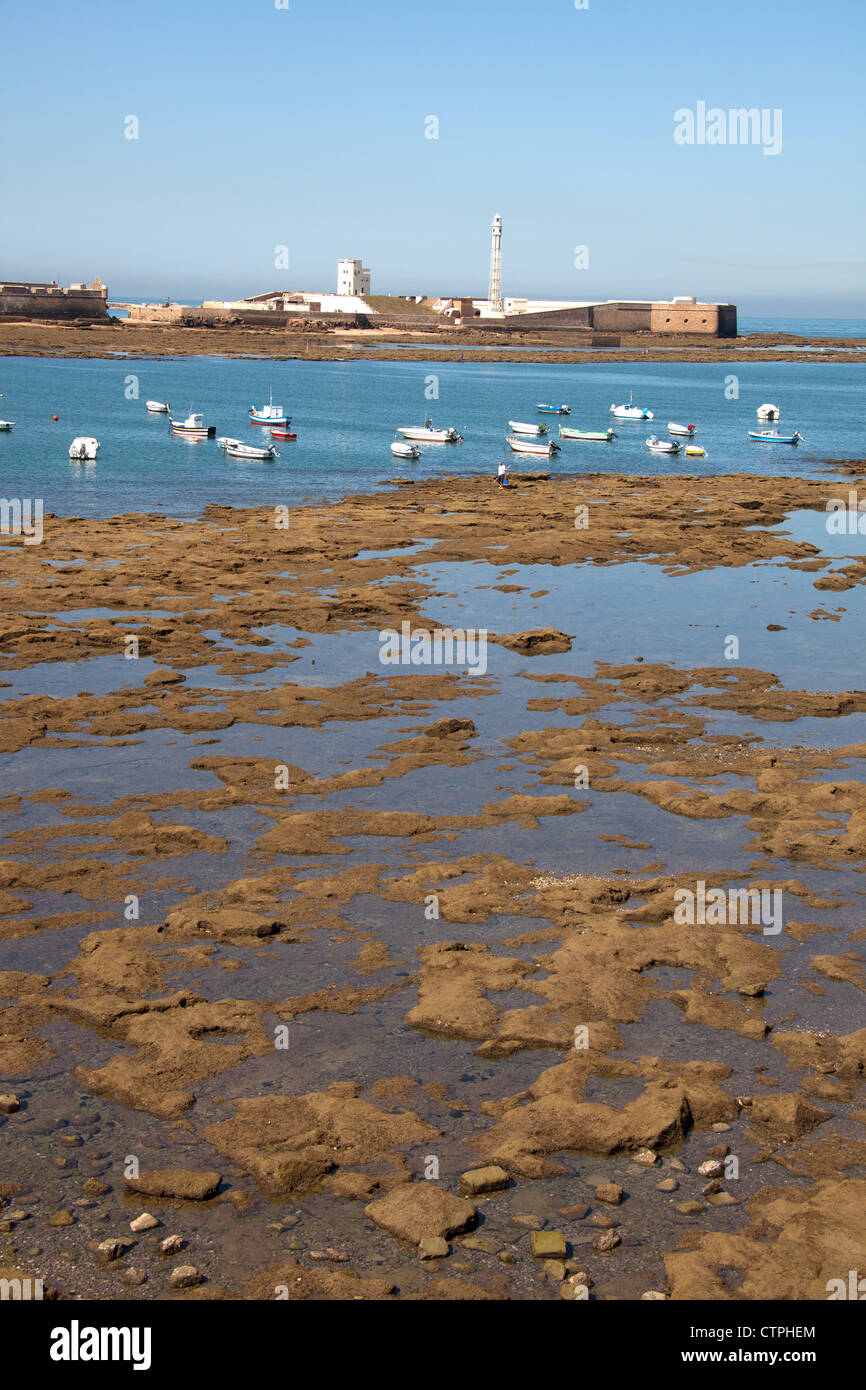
(353, 278)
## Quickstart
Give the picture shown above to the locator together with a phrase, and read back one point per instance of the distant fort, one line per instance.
(41, 300)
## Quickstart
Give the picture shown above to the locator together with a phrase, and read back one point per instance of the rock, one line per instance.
(531, 1223)
(555, 1269)
(691, 1208)
(646, 1157)
(721, 1199)
(545, 641)
(475, 1243)
(480, 1180)
(443, 727)
(711, 1188)
(678, 1165)
(433, 1248)
(184, 1277)
(668, 1185)
(187, 1183)
(415, 1210)
(718, 1151)
(786, 1117)
(607, 1242)
(95, 1187)
(653, 1296)
(61, 1218)
(109, 1250)
(712, 1169)
(162, 676)
(171, 1245)
(720, 1125)
(134, 1276)
(507, 1257)
(575, 1213)
(548, 1245)
(609, 1192)
(145, 1222)
(9, 1103)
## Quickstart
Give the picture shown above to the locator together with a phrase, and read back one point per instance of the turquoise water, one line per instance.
(345, 414)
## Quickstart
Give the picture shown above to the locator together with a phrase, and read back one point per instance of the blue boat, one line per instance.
(552, 409)
(773, 437)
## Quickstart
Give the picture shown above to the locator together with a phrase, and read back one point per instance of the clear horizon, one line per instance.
(307, 128)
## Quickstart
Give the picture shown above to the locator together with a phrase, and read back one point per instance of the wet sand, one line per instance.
(294, 942)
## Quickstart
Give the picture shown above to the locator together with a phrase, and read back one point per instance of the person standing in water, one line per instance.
(502, 475)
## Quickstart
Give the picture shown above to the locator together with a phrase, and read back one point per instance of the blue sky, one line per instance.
(305, 127)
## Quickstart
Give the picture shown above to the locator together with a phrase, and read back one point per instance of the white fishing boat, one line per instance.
(631, 412)
(674, 428)
(84, 447)
(522, 427)
(269, 414)
(428, 434)
(525, 446)
(158, 407)
(193, 427)
(403, 450)
(774, 437)
(235, 450)
(594, 436)
(768, 412)
(663, 446)
(6, 424)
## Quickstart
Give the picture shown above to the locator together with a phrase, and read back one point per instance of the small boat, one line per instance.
(631, 412)
(663, 446)
(695, 451)
(674, 428)
(429, 434)
(768, 412)
(158, 407)
(403, 450)
(552, 409)
(6, 424)
(224, 442)
(235, 450)
(283, 434)
(774, 437)
(521, 427)
(269, 414)
(84, 447)
(193, 427)
(601, 436)
(524, 446)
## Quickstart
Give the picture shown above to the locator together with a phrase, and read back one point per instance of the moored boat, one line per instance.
(193, 427)
(428, 434)
(774, 437)
(525, 446)
(631, 412)
(663, 446)
(269, 414)
(768, 412)
(600, 436)
(674, 428)
(552, 409)
(695, 451)
(6, 424)
(224, 441)
(283, 434)
(522, 427)
(401, 449)
(84, 447)
(158, 407)
(235, 450)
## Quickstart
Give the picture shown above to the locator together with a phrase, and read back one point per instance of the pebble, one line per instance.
(171, 1245)
(576, 1212)
(690, 1208)
(72, 1141)
(668, 1185)
(433, 1248)
(606, 1242)
(17, 1215)
(134, 1276)
(507, 1257)
(184, 1277)
(609, 1192)
(109, 1249)
(531, 1222)
(599, 1219)
(145, 1222)
(722, 1199)
(720, 1127)
(61, 1218)
(653, 1296)
(9, 1103)
(95, 1187)
(678, 1165)
(711, 1188)
(555, 1269)
(712, 1168)
(646, 1157)
(718, 1151)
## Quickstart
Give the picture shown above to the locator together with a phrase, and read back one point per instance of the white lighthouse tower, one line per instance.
(495, 305)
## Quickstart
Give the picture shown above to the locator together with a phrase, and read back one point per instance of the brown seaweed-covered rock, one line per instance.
(189, 1184)
(542, 641)
(415, 1211)
(785, 1118)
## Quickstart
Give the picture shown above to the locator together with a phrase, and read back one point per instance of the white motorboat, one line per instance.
(525, 446)
(403, 450)
(687, 430)
(6, 424)
(663, 446)
(224, 442)
(631, 412)
(235, 450)
(522, 427)
(193, 427)
(597, 436)
(774, 437)
(84, 447)
(158, 407)
(768, 412)
(428, 434)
